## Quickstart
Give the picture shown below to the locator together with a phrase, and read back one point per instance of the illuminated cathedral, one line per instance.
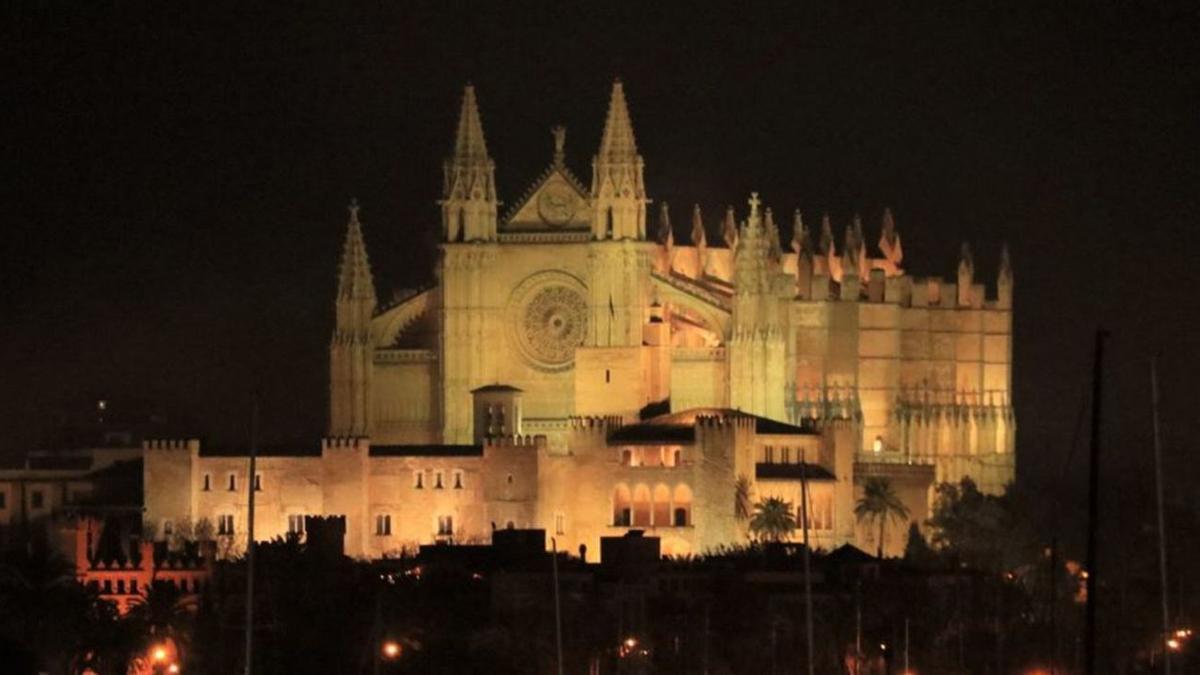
(584, 367)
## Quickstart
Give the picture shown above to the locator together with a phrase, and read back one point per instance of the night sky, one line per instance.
(178, 176)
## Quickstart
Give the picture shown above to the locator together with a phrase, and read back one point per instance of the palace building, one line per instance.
(582, 367)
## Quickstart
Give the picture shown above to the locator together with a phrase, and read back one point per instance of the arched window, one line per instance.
(626, 457)
(641, 506)
(682, 513)
(662, 506)
(622, 507)
(677, 459)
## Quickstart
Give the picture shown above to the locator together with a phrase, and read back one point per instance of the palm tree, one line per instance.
(878, 504)
(772, 519)
(741, 499)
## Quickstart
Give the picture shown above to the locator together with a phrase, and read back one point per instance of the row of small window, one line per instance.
(107, 587)
(438, 479)
(782, 455)
(652, 457)
(383, 525)
(231, 482)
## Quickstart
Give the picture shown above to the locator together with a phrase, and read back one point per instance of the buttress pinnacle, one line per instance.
(469, 144)
(618, 143)
(354, 273)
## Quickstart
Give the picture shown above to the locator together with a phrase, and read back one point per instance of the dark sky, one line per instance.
(179, 172)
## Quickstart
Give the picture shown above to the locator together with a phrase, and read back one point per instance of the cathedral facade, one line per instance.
(578, 369)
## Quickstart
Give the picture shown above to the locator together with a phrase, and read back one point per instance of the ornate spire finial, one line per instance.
(560, 139)
(354, 273)
(699, 237)
(469, 143)
(774, 247)
(618, 141)
(754, 203)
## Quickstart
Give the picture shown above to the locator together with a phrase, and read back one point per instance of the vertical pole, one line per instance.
(808, 610)
(707, 606)
(1094, 507)
(1054, 605)
(557, 609)
(1162, 526)
(250, 538)
(906, 670)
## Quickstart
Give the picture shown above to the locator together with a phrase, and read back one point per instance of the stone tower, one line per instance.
(469, 188)
(351, 351)
(619, 257)
(757, 346)
(618, 194)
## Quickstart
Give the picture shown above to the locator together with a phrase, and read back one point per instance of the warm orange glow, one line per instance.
(391, 649)
(173, 668)
(1173, 644)
(159, 654)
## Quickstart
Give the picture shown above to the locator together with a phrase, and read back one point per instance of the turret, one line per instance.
(852, 255)
(618, 193)
(351, 351)
(802, 246)
(469, 202)
(1004, 280)
(497, 409)
(757, 346)
(700, 242)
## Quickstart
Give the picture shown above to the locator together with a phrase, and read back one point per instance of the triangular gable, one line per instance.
(556, 202)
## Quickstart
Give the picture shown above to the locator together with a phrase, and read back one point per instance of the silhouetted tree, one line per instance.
(879, 504)
(772, 519)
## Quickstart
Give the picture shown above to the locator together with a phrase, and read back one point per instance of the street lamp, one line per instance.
(390, 650)
(159, 654)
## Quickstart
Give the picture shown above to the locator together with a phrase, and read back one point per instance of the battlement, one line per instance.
(721, 421)
(192, 444)
(603, 423)
(515, 441)
(345, 443)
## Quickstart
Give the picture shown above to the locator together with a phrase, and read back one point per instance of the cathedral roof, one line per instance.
(766, 471)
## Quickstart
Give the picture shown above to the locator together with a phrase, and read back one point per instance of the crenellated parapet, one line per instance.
(955, 422)
(515, 441)
(343, 443)
(828, 403)
(191, 444)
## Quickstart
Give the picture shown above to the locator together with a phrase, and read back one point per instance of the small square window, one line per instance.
(258, 482)
(295, 524)
(560, 523)
(445, 526)
(207, 482)
(437, 480)
(419, 480)
(3, 500)
(225, 524)
(133, 586)
(232, 482)
(458, 480)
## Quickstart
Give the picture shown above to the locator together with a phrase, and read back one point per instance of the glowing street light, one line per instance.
(159, 654)
(391, 650)
(173, 668)
(1173, 644)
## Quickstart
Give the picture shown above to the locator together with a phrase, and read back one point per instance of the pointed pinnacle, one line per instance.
(825, 245)
(888, 226)
(699, 237)
(800, 240)
(354, 273)
(665, 233)
(469, 144)
(618, 141)
(1006, 272)
(729, 230)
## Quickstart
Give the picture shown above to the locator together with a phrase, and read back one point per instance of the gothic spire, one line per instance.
(618, 143)
(699, 238)
(354, 273)
(469, 145)
(966, 263)
(851, 252)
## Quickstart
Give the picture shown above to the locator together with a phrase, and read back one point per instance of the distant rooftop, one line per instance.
(680, 427)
